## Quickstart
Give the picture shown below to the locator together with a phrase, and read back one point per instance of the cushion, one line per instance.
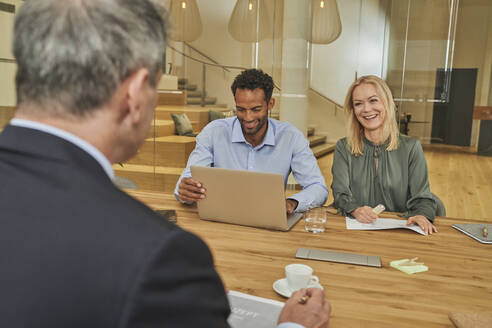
(182, 125)
(215, 115)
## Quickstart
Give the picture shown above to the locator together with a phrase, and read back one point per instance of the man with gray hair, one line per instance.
(75, 250)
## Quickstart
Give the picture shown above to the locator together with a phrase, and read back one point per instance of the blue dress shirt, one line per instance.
(284, 149)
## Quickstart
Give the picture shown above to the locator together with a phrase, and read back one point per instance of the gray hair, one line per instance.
(72, 55)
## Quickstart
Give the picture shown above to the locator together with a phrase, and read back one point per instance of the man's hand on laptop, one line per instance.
(290, 205)
(190, 190)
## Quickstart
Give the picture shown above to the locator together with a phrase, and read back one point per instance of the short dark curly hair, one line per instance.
(252, 79)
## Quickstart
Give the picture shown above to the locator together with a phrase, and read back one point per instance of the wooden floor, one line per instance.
(460, 178)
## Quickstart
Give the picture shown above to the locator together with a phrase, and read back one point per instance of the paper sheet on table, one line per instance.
(381, 224)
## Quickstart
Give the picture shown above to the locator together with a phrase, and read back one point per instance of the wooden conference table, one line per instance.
(250, 260)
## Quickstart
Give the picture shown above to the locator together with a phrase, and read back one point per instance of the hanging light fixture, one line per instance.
(249, 21)
(186, 20)
(326, 24)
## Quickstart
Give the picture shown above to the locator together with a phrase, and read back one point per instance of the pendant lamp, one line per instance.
(186, 20)
(326, 25)
(249, 21)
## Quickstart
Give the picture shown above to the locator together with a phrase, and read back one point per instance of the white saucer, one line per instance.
(281, 287)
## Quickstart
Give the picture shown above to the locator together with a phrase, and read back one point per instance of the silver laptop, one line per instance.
(247, 198)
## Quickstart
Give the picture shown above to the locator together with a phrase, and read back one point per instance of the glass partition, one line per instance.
(433, 54)
(420, 60)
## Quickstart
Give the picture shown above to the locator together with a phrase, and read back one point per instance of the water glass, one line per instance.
(315, 220)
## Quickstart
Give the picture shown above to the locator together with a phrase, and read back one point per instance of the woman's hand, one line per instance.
(422, 222)
(364, 214)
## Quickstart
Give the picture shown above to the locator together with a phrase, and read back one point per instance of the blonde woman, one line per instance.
(375, 165)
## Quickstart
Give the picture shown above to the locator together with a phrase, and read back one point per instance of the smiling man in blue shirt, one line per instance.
(252, 141)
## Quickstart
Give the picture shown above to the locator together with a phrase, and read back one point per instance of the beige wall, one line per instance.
(7, 70)
(334, 66)
(326, 117)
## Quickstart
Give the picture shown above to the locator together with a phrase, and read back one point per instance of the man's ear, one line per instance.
(136, 93)
(271, 103)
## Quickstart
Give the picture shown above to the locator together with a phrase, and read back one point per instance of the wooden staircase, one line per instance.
(318, 144)
(194, 96)
(163, 156)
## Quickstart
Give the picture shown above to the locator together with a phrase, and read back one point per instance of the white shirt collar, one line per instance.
(84, 145)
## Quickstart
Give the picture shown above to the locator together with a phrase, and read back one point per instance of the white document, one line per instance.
(382, 224)
(248, 311)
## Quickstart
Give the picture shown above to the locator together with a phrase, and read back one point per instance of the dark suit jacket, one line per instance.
(77, 252)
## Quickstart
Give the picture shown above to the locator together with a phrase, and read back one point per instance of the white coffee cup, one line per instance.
(299, 276)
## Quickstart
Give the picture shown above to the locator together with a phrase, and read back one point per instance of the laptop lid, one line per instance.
(248, 198)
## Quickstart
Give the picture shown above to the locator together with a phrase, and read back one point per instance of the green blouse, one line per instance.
(400, 183)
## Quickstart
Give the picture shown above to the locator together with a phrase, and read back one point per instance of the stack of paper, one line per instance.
(381, 224)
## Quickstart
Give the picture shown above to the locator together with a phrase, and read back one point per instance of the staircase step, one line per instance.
(171, 97)
(316, 140)
(222, 106)
(187, 87)
(196, 93)
(171, 151)
(194, 114)
(323, 149)
(198, 100)
(147, 177)
(161, 128)
(310, 131)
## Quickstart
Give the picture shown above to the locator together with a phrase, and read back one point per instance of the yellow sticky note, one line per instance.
(410, 269)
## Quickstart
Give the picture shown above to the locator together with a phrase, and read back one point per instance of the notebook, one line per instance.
(247, 198)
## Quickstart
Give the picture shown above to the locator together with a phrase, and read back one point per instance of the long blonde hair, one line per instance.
(355, 130)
